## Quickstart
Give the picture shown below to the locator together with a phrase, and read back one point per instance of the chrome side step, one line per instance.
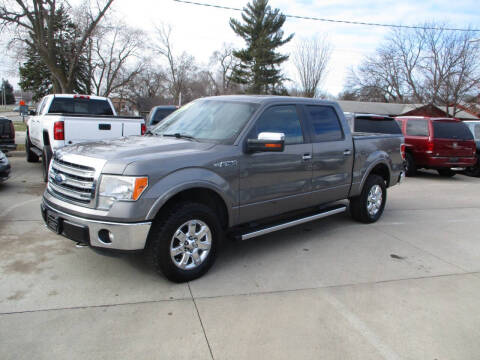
(303, 220)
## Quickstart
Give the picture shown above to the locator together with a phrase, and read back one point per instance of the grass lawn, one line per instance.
(19, 126)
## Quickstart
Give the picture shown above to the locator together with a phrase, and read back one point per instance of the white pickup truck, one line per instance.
(63, 119)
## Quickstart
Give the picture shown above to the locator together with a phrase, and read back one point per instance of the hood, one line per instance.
(120, 152)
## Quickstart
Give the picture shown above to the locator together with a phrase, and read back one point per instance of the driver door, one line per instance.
(272, 183)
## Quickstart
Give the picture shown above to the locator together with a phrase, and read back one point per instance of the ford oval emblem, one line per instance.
(59, 178)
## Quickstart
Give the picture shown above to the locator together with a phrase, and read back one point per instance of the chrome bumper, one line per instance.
(99, 234)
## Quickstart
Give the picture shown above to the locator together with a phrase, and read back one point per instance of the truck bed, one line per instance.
(369, 149)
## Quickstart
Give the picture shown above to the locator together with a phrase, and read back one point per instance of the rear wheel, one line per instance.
(182, 244)
(46, 158)
(369, 206)
(474, 170)
(31, 156)
(446, 172)
(410, 167)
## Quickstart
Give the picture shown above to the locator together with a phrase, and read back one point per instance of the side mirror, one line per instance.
(267, 142)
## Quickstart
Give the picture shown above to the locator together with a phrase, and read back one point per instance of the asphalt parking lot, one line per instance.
(407, 287)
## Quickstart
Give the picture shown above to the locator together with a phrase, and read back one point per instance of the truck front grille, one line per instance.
(72, 182)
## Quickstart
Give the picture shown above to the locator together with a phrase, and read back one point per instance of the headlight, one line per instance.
(3, 158)
(120, 188)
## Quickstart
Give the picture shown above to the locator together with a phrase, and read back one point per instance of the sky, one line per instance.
(202, 30)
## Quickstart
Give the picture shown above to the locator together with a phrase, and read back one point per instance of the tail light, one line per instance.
(12, 130)
(59, 130)
(144, 128)
(402, 151)
(86, 97)
(430, 146)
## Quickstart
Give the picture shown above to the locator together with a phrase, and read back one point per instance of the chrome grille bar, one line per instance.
(74, 171)
(64, 191)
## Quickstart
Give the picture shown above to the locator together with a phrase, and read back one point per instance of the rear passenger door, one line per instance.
(276, 182)
(332, 154)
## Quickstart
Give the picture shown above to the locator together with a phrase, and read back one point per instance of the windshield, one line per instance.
(451, 130)
(211, 120)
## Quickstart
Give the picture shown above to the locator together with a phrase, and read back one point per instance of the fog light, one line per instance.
(105, 236)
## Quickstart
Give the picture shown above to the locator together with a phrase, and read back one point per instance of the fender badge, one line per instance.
(228, 163)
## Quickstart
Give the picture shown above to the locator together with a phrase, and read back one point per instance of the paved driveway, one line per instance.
(407, 287)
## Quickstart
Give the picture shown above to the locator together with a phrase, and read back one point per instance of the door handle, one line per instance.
(347, 152)
(306, 157)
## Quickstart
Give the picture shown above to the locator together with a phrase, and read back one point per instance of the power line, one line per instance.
(332, 20)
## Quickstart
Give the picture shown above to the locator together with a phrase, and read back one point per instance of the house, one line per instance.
(392, 109)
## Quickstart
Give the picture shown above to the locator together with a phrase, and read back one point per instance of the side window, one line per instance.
(280, 119)
(325, 123)
(417, 127)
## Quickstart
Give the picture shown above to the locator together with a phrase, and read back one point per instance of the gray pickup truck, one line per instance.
(238, 166)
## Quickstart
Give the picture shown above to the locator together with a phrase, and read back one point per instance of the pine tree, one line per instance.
(34, 73)
(259, 62)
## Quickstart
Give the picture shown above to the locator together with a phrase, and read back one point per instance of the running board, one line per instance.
(270, 229)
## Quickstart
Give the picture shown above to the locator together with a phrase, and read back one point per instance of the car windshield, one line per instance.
(451, 130)
(209, 120)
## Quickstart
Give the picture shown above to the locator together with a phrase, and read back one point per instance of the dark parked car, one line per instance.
(474, 127)
(442, 144)
(4, 167)
(7, 135)
(372, 123)
(158, 113)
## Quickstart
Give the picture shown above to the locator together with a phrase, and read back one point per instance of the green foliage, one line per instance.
(259, 62)
(36, 76)
(9, 97)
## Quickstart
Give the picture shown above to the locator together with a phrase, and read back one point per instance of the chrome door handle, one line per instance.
(307, 157)
(347, 152)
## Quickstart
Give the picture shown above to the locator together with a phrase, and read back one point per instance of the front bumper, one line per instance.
(98, 234)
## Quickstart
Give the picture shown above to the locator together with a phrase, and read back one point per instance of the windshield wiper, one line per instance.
(180, 136)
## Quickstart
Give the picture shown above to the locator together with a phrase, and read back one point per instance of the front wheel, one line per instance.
(410, 167)
(31, 156)
(182, 244)
(369, 206)
(446, 172)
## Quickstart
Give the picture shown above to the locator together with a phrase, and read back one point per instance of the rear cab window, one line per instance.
(417, 127)
(454, 130)
(379, 125)
(325, 124)
(80, 106)
(159, 115)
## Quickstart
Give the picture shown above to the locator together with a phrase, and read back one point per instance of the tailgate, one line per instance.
(82, 129)
(454, 148)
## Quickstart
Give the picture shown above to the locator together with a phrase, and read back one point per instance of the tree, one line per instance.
(311, 57)
(428, 65)
(35, 21)
(224, 63)
(259, 62)
(35, 74)
(180, 68)
(112, 50)
(8, 98)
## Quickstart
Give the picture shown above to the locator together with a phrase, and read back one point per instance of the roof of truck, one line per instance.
(268, 98)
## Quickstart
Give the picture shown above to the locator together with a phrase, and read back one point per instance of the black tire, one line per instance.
(359, 204)
(446, 172)
(46, 158)
(410, 167)
(474, 170)
(31, 156)
(161, 236)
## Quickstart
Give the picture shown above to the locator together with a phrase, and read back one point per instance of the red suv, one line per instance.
(437, 143)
